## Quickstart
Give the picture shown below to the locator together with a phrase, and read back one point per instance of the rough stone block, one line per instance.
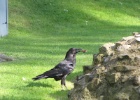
(113, 78)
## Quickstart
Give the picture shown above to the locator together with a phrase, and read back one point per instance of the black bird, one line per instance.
(64, 68)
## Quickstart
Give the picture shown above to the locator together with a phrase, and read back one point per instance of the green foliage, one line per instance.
(41, 31)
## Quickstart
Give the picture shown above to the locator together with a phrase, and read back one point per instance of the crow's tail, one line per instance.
(53, 73)
(35, 78)
(39, 77)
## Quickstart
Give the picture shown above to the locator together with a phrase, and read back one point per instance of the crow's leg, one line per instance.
(63, 82)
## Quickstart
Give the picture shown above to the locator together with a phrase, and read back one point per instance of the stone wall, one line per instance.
(115, 74)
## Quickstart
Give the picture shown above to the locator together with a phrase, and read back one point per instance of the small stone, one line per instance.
(135, 33)
(88, 77)
(113, 78)
(124, 78)
(23, 78)
(138, 39)
(128, 38)
(106, 59)
(98, 58)
(107, 49)
(100, 70)
(119, 44)
(94, 83)
(136, 80)
(87, 69)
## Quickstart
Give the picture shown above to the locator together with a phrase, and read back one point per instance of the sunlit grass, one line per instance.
(119, 17)
(41, 32)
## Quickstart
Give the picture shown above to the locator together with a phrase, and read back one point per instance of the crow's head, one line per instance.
(71, 53)
(75, 50)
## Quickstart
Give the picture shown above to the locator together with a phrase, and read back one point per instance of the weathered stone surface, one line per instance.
(122, 96)
(115, 74)
(128, 38)
(125, 68)
(136, 80)
(77, 95)
(93, 84)
(124, 78)
(98, 59)
(87, 69)
(107, 49)
(113, 77)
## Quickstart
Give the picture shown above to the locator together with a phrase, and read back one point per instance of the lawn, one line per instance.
(41, 31)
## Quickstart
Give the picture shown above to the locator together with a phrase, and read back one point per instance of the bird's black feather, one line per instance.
(64, 68)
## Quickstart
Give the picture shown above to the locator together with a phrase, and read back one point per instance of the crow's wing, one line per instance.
(60, 70)
(53, 73)
(63, 68)
(65, 64)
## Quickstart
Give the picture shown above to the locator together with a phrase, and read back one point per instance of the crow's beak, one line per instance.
(81, 50)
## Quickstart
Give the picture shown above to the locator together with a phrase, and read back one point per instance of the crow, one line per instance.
(64, 68)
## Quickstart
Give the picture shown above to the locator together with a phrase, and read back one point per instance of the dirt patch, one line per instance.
(4, 58)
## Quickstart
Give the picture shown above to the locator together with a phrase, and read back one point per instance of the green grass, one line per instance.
(41, 31)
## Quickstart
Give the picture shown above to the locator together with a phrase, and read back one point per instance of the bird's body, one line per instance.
(64, 68)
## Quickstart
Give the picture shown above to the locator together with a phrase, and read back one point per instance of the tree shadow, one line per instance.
(63, 93)
(39, 84)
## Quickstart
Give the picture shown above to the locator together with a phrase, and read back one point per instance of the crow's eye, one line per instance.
(71, 64)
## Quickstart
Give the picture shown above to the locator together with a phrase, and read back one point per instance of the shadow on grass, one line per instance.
(7, 72)
(63, 93)
(39, 84)
(17, 98)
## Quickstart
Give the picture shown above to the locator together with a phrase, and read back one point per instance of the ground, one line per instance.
(41, 31)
